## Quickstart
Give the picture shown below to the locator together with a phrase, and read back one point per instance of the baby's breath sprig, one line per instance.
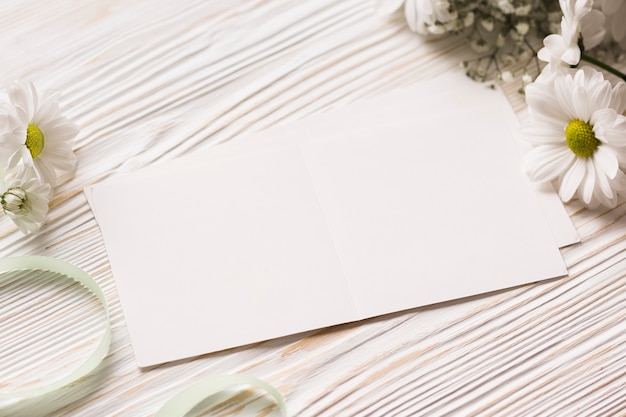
(503, 33)
(506, 34)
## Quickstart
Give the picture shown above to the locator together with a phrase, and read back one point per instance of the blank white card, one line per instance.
(303, 229)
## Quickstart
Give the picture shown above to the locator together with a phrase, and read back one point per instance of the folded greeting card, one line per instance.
(410, 199)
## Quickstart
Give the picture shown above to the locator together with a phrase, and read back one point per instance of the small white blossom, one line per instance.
(436, 29)
(506, 6)
(508, 59)
(522, 28)
(500, 40)
(24, 199)
(507, 76)
(479, 45)
(527, 78)
(487, 23)
(426, 17)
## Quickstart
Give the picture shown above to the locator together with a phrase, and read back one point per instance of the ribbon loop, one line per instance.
(186, 400)
(177, 406)
(47, 264)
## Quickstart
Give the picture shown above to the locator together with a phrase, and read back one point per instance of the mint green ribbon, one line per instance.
(177, 406)
(185, 401)
(44, 263)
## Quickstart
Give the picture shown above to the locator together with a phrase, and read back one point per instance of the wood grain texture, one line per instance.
(153, 80)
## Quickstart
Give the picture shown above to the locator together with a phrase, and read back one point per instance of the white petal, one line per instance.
(543, 134)
(63, 161)
(548, 162)
(571, 55)
(14, 158)
(542, 102)
(582, 7)
(555, 44)
(18, 94)
(589, 181)
(580, 102)
(604, 187)
(606, 161)
(46, 171)
(615, 133)
(619, 183)
(544, 54)
(618, 98)
(34, 98)
(22, 115)
(600, 94)
(60, 132)
(411, 16)
(571, 180)
(563, 92)
(603, 117)
(46, 112)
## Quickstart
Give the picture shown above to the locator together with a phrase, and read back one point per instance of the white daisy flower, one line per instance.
(429, 17)
(578, 135)
(37, 134)
(24, 198)
(579, 18)
(426, 17)
(561, 51)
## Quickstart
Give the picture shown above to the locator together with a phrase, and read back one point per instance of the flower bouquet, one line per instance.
(577, 125)
(35, 153)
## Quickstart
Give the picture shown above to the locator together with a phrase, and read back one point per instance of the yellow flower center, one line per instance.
(580, 138)
(34, 140)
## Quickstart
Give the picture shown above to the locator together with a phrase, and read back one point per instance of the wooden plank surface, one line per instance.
(152, 80)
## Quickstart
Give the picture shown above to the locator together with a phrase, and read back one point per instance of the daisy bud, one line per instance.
(24, 199)
(14, 201)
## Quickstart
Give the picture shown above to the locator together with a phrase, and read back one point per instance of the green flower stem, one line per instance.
(602, 65)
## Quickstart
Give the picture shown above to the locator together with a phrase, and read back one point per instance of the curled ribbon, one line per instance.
(177, 406)
(44, 263)
(185, 401)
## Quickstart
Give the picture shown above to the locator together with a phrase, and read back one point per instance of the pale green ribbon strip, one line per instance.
(177, 406)
(185, 401)
(44, 263)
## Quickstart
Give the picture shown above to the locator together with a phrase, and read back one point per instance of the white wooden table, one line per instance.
(150, 80)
